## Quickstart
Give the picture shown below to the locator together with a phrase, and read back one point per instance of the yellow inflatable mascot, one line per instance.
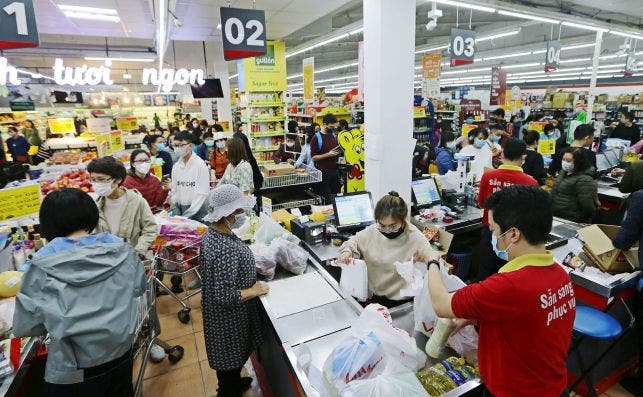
(352, 142)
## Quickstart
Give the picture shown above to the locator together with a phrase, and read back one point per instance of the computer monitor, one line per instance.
(425, 192)
(602, 164)
(211, 88)
(613, 157)
(353, 210)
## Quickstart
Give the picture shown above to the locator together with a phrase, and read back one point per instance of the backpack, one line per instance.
(320, 143)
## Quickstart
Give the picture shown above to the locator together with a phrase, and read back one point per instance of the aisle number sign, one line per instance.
(18, 24)
(116, 141)
(266, 72)
(546, 146)
(127, 123)
(62, 126)
(309, 78)
(462, 48)
(19, 202)
(552, 56)
(630, 64)
(244, 33)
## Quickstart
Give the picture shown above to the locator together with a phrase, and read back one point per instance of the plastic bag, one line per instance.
(265, 260)
(268, 230)
(394, 381)
(423, 312)
(465, 342)
(354, 278)
(357, 357)
(413, 275)
(290, 256)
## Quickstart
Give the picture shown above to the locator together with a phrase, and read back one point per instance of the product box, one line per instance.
(559, 100)
(602, 98)
(597, 244)
(278, 169)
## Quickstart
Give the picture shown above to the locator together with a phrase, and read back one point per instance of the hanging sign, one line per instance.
(498, 86)
(538, 126)
(266, 72)
(116, 141)
(552, 56)
(20, 201)
(546, 146)
(62, 126)
(244, 33)
(631, 66)
(462, 47)
(127, 123)
(515, 93)
(103, 145)
(431, 68)
(18, 24)
(309, 78)
(100, 124)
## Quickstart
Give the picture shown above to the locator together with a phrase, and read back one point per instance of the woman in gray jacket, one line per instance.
(84, 291)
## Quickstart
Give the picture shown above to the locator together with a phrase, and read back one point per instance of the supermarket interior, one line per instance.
(353, 198)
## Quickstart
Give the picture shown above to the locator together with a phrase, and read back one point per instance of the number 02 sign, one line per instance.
(244, 33)
(462, 46)
(17, 24)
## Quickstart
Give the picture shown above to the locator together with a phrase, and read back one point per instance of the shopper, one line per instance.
(391, 239)
(257, 176)
(217, 128)
(574, 193)
(583, 138)
(293, 127)
(325, 150)
(190, 181)
(231, 314)
(495, 142)
(218, 157)
(342, 125)
(30, 132)
(445, 158)
(83, 290)
(288, 151)
(205, 149)
(18, 146)
(558, 121)
(550, 133)
(153, 190)
(627, 129)
(529, 305)
(497, 116)
(632, 177)
(305, 157)
(534, 164)
(508, 174)
(3, 156)
(239, 170)
(160, 152)
(196, 130)
(478, 148)
(123, 212)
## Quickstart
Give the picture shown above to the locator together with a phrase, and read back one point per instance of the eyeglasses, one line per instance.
(141, 161)
(388, 228)
(101, 180)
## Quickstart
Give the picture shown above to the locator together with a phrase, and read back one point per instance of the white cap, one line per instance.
(219, 136)
(226, 200)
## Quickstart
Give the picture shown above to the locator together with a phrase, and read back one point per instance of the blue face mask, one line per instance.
(469, 121)
(504, 255)
(160, 146)
(495, 138)
(209, 143)
(479, 143)
(195, 147)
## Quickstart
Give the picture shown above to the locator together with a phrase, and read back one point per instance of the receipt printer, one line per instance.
(310, 232)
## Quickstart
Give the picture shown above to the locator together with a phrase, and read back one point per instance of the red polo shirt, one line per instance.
(492, 181)
(525, 316)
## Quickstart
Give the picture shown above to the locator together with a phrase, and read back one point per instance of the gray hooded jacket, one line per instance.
(87, 299)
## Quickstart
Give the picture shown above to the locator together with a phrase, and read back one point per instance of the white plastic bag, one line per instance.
(265, 260)
(413, 275)
(290, 256)
(398, 345)
(465, 342)
(354, 278)
(268, 230)
(394, 381)
(423, 312)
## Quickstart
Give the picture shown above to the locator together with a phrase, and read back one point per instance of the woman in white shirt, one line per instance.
(306, 156)
(479, 149)
(239, 171)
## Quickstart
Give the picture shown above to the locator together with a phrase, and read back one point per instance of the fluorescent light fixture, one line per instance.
(517, 54)
(352, 76)
(577, 46)
(465, 5)
(438, 48)
(89, 10)
(582, 26)
(497, 36)
(612, 56)
(538, 52)
(574, 60)
(356, 31)
(233, 76)
(93, 17)
(348, 65)
(527, 16)
(119, 59)
(322, 43)
(294, 76)
(127, 76)
(623, 34)
(520, 65)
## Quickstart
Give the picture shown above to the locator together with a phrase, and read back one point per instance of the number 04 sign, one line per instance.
(463, 44)
(244, 33)
(17, 24)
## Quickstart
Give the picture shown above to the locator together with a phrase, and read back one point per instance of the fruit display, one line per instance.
(78, 179)
(64, 157)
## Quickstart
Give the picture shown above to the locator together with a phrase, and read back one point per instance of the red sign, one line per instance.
(498, 88)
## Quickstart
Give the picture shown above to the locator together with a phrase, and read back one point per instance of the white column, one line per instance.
(220, 66)
(592, 82)
(389, 58)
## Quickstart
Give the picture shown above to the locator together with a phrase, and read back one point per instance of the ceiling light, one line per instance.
(219, 26)
(520, 65)
(322, 43)
(527, 16)
(577, 46)
(348, 65)
(465, 5)
(574, 60)
(94, 17)
(127, 76)
(233, 76)
(497, 36)
(441, 47)
(89, 10)
(612, 56)
(518, 54)
(634, 36)
(119, 59)
(356, 31)
(586, 27)
(539, 52)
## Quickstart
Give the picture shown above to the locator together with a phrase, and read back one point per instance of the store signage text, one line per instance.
(552, 56)
(462, 47)
(85, 75)
(244, 33)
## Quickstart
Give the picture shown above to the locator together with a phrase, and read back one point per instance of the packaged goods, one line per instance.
(290, 256)
(436, 343)
(446, 376)
(395, 381)
(10, 282)
(265, 260)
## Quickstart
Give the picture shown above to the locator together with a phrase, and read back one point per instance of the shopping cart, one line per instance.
(179, 258)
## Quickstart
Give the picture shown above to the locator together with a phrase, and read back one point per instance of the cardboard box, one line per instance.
(602, 98)
(278, 169)
(597, 244)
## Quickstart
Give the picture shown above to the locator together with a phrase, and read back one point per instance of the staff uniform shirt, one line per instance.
(525, 316)
(190, 184)
(493, 181)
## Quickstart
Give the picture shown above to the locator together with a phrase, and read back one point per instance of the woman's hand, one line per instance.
(260, 288)
(426, 256)
(344, 257)
(459, 323)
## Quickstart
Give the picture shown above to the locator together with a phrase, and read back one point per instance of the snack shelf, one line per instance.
(261, 104)
(265, 149)
(296, 204)
(266, 119)
(311, 175)
(267, 134)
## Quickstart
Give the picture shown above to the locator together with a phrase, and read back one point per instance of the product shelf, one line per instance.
(267, 134)
(266, 119)
(266, 104)
(312, 175)
(296, 204)
(300, 115)
(265, 149)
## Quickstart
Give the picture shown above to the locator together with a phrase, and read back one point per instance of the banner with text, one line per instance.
(21, 201)
(308, 71)
(498, 86)
(431, 69)
(266, 72)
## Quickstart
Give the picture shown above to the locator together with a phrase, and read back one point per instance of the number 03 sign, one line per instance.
(244, 33)
(462, 46)
(17, 24)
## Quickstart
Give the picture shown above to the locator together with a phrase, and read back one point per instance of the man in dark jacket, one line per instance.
(632, 179)
(626, 129)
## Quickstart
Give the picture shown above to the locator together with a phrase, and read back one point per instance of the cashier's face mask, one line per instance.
(504, 255)
(391, 232)
(479, 143)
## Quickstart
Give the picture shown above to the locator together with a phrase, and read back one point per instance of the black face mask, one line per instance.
(393, 235)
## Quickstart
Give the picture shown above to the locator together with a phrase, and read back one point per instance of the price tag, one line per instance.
(419, 111)
(547, 146)
(244, 33)
(99, 125)
(62, 126)
(103, 145)
(116, 141)
(552, 56)
(538, 126)
(127, 123)
(462, 46)
(17, 24)
(631, 66)
(20, 201)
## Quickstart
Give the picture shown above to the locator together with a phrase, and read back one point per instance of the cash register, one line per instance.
(424, 194)
(353, 213)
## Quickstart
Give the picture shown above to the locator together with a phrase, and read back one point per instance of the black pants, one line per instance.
(112, 379)
(230, 383)
(488, 263)
(330, 185)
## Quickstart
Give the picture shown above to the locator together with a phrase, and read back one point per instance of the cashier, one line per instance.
(391, 239)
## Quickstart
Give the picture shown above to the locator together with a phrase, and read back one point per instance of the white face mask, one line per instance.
(290, 144)
(103, 189)
(179, 151)
(239, 220)
(195, 125)
(567, 166)
(143, 168)
(220, 144)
